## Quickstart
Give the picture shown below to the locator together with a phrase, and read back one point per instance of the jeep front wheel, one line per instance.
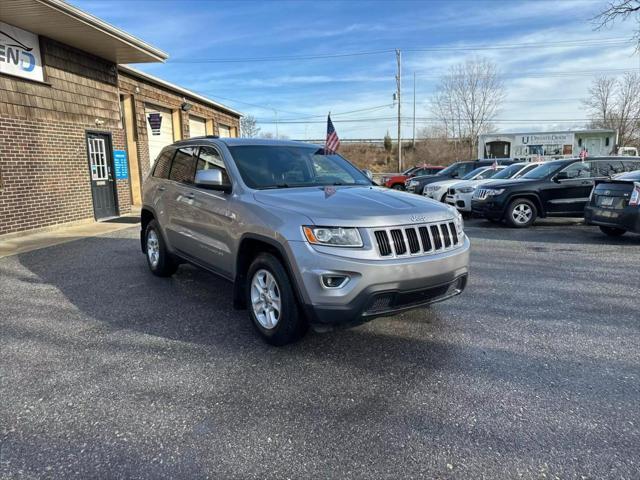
(272, 304)
(521, 213)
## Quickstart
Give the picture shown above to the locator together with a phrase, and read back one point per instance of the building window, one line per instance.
(579, 142)
(606, 141)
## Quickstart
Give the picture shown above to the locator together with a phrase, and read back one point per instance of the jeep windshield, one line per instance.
(544, 170)
(273, 166)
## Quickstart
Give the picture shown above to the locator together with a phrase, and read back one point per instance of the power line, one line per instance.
(408, 120)
(612, 41)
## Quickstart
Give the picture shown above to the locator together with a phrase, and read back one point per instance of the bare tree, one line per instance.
(615, 103)
(619, 10)
(249, 127)
(467, 100)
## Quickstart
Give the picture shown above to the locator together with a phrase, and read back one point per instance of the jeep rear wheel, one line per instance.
(521, 213)
(272, 303)
(612, 231)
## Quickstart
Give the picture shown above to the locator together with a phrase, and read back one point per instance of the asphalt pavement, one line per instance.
(533, 372)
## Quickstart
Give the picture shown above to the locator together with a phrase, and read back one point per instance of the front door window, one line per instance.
(98, 159)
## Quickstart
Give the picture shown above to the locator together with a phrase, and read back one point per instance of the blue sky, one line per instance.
(543, 84)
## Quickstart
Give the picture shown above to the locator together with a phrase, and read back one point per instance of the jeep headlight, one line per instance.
(333, 236)
(459, 222)
(491, 192)
(465, 189)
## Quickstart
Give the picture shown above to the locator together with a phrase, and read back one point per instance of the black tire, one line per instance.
(397, 186)
(291, 324)
(521, 213)
(165, 265)
(613, 231)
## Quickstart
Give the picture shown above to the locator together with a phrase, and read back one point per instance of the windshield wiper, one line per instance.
(279, 185)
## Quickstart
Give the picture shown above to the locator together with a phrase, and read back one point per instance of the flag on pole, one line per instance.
(584, 154)
(332, 143)
(494, 165)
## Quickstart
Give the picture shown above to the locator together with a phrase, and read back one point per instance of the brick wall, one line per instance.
(45, 174)
(43, 152)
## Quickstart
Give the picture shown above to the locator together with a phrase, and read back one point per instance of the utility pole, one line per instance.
(399, 88)
(413, 143)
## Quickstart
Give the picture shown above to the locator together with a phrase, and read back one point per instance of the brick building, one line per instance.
(78, 129)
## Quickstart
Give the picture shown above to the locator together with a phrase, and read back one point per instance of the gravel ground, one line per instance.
(109, 372)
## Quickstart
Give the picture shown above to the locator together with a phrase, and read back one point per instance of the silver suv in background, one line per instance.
(306, 238)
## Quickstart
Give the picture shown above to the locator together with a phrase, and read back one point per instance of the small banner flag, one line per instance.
(635, 196)
(494, 165)
(332, 143)
(155, 122)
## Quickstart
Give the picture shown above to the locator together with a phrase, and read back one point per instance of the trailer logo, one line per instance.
(155, 122)
(20, 53)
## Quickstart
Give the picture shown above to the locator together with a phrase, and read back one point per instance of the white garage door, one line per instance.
(224, 131)
(159, 129)
(197, 127)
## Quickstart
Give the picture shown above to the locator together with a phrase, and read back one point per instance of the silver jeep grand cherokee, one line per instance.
(306, 238)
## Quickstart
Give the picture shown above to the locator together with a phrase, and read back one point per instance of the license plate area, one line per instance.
(606, 201)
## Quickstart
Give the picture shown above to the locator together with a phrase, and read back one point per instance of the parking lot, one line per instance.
(107, 371)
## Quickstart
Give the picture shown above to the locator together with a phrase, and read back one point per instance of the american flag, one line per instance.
(584, 154)
(332, 143)
(494, 165)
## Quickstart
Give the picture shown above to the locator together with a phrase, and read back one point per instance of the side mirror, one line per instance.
(368, 173)
(211, 180)
(561, 176)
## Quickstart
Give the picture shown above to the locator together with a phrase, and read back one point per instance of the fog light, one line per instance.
(334, 281)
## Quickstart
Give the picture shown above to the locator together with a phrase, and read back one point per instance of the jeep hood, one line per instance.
(506, 183)
(356, 206)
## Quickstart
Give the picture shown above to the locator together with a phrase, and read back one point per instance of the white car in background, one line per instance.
(438, 190)
(459, 194)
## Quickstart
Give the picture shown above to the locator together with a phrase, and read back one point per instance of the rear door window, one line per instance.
(163, 164)
(631, 165)
(183, 168)
(606, 168)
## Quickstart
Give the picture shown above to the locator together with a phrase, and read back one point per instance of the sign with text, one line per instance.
(565, 138)
(20, 53)
(121, 164)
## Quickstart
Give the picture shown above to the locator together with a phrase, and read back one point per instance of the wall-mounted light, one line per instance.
(186, 106)
(99, 122)
(137, 89)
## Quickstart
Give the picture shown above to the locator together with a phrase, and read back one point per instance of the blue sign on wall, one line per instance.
(121, 165)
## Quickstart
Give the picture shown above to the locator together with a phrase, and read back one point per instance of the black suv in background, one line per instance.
(560, 188)
(455, 170)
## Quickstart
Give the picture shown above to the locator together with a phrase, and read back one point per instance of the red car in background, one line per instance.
(397, 181)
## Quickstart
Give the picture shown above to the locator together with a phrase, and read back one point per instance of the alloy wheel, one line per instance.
(522, 213)
(153, 248)
(265, 299)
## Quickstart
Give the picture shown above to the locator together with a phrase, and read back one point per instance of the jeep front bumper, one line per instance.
(375, 287)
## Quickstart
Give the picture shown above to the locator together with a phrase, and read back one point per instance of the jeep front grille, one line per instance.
(480, 194)
(417, 239)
